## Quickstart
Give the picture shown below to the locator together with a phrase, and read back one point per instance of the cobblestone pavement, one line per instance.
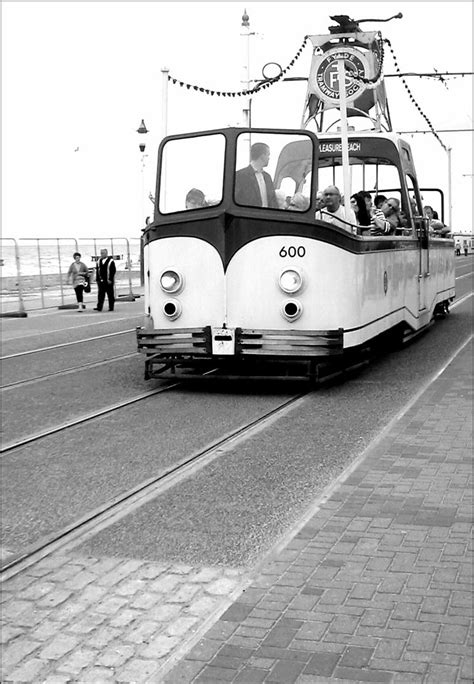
(376, 585)
(71, 618)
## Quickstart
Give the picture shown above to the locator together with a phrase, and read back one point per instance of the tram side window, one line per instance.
(192, 173)
(272, 171)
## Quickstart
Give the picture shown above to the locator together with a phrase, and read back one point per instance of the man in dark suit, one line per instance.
(253, 185)
(105, 275)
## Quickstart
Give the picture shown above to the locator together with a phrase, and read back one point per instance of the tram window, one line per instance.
(433, 198)
(365, 174)
(192, 173)
(271, 168)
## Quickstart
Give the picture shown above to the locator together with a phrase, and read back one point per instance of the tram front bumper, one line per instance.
(186, 344)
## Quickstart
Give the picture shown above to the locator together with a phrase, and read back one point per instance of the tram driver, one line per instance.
(254, 186)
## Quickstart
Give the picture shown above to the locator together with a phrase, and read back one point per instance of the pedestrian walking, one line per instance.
(105, 277)
(78, 277)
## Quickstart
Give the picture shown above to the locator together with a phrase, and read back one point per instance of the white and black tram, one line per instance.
(237, 286)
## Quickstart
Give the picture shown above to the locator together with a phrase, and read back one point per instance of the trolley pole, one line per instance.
(344, 135)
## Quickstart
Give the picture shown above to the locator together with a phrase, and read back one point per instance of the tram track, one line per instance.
(122, 504)
(52, 347)
(126, 502)
(8, 448)
(65, 371)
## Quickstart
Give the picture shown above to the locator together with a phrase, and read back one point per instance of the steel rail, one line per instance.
(66, 344)
(65, 371)
(123, 504)
(82, 419)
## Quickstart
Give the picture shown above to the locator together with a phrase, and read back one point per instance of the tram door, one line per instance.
(424, 264)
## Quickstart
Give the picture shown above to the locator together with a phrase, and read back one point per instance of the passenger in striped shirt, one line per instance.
(386, 220)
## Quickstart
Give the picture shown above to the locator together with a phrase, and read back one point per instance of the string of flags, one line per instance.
(410, 95)
(241, 93)
(377, 76)
(271, 81)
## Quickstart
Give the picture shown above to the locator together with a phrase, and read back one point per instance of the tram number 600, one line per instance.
(292, 251)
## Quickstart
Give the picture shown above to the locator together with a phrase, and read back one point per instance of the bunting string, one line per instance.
(241, 93)
(380, 58)
(410, 95)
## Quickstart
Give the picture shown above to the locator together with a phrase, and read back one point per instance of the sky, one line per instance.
(78, 78)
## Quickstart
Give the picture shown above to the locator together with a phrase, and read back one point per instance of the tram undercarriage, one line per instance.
(314, 356)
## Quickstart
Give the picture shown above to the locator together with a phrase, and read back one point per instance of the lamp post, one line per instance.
(245, 34)
(142, 130)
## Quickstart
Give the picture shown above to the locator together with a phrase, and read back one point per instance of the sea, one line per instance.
(54, 256)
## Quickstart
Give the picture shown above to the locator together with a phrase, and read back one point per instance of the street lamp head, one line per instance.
(141, 147)
(142, 128)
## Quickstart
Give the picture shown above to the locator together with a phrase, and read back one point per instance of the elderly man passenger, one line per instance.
(299, 202)
(334, 212)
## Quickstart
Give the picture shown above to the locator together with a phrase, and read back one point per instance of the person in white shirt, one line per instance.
(253, 185)
(334, 212)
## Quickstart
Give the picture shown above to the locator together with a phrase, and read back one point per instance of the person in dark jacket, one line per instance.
(253, 185)
(105, 276)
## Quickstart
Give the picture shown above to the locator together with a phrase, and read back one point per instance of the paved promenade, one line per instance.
(375, 585)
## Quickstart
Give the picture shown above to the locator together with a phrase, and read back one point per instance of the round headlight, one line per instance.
(292, 309)
(171, 281)
(172, 309)
(291, 280)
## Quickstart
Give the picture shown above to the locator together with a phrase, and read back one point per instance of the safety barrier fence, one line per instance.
(34, 271)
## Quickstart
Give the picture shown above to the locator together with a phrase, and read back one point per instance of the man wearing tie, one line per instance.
(105, 275)
(253, 185)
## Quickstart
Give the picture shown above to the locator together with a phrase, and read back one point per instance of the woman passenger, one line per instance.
(359, 208)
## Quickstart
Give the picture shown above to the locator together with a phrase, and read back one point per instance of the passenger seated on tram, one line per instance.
(282, 199)
(195, 199)
(334, 212)
(379, 224)
(435, 227)
(319, 199)
(367, 197)
(379, 201)
(298, 202)
(387, 220)
(361, 212)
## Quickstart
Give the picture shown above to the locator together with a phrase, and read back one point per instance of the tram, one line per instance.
(236, 279)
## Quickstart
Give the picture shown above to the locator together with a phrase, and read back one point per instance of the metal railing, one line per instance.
(34, 270)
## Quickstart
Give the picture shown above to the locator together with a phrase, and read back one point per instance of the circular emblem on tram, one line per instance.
(325, 74)
(385, 282)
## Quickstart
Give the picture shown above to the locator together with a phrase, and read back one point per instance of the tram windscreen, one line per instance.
(192, 173)
(273, 170)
